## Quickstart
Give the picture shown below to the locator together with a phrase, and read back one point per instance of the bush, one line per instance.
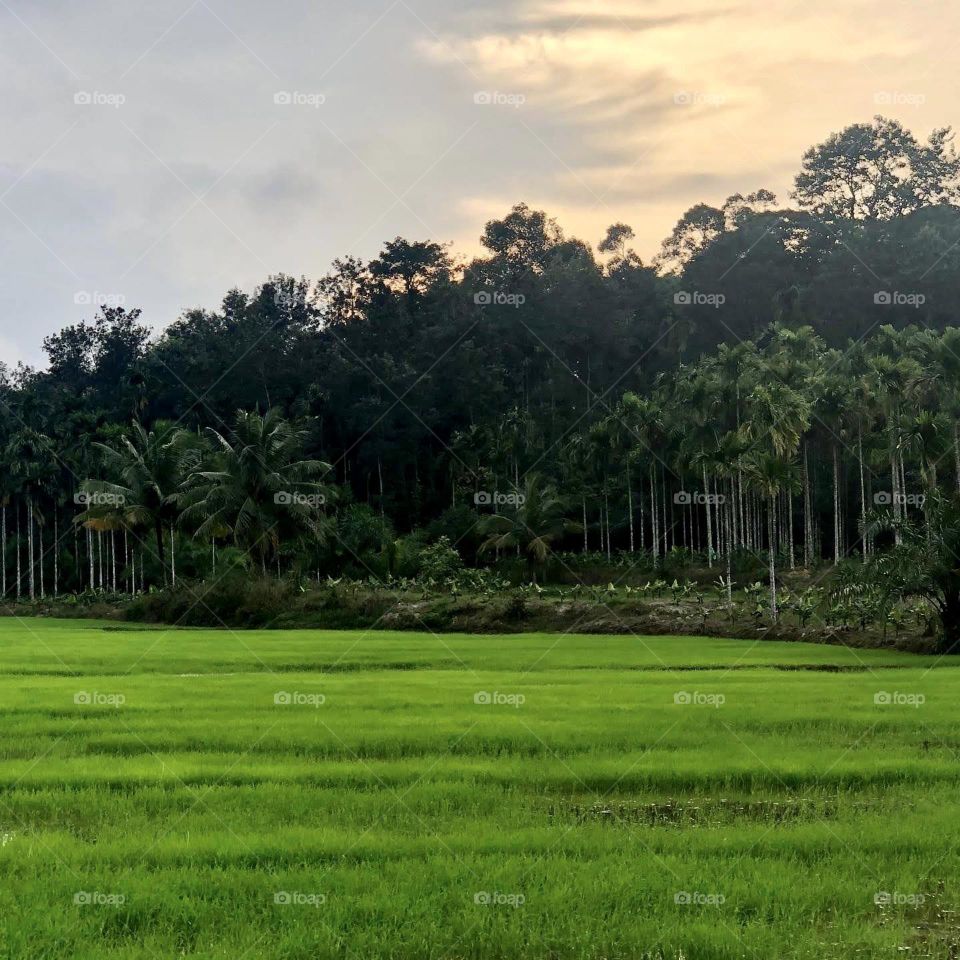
(405, 555)
(362, 545)
(440, 561)
(460, 525)
(235, 600)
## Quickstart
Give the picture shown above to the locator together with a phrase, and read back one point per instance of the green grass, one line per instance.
(587, 808)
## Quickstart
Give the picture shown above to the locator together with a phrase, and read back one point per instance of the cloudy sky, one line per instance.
(163, 152)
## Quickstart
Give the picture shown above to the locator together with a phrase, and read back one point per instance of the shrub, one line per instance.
(460, 526)
(440, 561)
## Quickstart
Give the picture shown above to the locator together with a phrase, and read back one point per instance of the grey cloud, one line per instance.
(108, 196)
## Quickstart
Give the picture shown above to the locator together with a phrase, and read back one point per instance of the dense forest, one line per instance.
(778, 372)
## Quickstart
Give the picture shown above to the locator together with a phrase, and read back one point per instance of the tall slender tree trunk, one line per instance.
(864, 539)
(771, 534)
(732, 510)
(643, 519)
(380, 476)
(793, 565)
(606, 503)
(743, 525)
(807, 512)
(653, 515)
(663, 499)
(706, 503)
(19, 574)
(903, 485)
(630, 504)
(895, 494)
(158, 533)
(956, 450)
(43, 592)
(723, 521)
(734, 529)
(30, 553)
(836, 506)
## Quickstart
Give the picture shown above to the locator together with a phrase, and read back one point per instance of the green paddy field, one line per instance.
(308, 794)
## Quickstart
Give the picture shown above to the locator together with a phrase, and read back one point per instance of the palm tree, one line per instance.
(924, 565)
(893, 379)
(533, 527)
(834, 412)
(645, 418)
(602, 444)
(771, 475)
(925, 435)
(948, 374)
(622, 438)
(257, 491)
(33, 463)
(577, 475)
(7, 490)
(148, 468)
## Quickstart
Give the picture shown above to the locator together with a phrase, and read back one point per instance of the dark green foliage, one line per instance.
(397, 401)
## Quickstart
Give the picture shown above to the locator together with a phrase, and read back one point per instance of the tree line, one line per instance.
(775, 374)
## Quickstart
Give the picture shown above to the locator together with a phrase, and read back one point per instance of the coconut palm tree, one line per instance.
(147, 468)
(924, 564)
(537, 522)
(257, 490)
